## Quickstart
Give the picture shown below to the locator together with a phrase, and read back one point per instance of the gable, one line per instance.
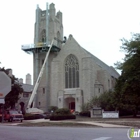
(72, 47)
(104, 66)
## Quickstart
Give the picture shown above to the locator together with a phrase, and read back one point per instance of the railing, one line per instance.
(28, 46)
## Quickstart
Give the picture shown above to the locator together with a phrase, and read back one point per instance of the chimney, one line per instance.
(28, 79)
(21, 81)
(10, 73)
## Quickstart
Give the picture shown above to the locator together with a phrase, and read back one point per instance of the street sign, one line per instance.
(2, 101)
(5, 84)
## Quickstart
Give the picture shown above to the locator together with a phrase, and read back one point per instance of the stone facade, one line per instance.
(86, 76)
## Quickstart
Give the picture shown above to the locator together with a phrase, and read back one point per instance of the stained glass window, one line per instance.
(71, 72)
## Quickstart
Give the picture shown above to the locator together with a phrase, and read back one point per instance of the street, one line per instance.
(61, 133)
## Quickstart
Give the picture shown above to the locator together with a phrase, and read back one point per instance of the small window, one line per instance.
(43, 35)
(99, 90)
(39, 103)
(43, 90)
(42, 61)
(108, 83)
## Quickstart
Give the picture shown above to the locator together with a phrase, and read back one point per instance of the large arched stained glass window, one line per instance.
(71, 72)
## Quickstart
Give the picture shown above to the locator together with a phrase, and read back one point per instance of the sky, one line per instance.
(97, 25)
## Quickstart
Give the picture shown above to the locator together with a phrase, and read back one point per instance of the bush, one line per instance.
(62, 117)
(32, 116)
(85, 113)
(53, 108)
(62, 111)
(123, 112)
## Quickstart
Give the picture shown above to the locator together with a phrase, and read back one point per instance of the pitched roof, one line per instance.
(104, 66)
(27, 87)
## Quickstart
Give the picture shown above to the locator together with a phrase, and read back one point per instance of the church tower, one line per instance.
(48, 25)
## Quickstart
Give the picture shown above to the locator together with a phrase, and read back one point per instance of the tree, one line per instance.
(127, 90)
(13, 96)
(106, 101)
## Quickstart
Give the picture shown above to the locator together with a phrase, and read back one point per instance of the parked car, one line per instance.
(13, 115)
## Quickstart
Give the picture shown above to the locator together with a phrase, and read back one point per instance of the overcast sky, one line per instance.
(97, 25)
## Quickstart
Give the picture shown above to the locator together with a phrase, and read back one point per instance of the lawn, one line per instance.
(133, 122)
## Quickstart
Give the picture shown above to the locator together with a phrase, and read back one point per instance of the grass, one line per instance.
(129, 121)
(62, 124)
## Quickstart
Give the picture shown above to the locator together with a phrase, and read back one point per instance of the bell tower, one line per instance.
(48, 25)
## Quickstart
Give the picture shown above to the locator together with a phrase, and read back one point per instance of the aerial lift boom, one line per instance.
(29, 108)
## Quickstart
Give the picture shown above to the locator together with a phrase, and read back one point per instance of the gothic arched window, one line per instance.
(71, 72)
(58, 39)
(43, 35)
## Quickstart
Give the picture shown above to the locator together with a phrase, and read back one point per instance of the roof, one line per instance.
(100, 63)
(27, 87)
(104, 66)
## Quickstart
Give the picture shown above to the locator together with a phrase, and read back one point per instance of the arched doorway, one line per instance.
(22, 107)
(70, 103)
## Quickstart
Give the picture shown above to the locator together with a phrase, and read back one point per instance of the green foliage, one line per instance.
(62, 117)
(94, 101)
(85, 106)
(107, 101)
(62, 111)
(53, 108)
(13, 96)
(127, 91)
(62, 114)
(29, 116)
(85, 113)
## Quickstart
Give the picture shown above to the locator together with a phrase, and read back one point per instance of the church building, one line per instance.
(72, 75)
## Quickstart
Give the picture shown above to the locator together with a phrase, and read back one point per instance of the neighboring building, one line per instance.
(72, 75)
(24, 97)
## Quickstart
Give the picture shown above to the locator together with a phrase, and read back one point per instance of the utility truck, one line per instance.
(31, 109)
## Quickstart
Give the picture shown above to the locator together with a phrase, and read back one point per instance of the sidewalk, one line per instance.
(84, 122)
(104, 125)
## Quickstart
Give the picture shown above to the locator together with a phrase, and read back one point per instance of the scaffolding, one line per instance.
(40, 47)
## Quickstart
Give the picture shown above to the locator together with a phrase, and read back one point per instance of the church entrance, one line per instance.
(72, 106)
(70, 103)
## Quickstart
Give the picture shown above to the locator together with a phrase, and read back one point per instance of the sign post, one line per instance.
(5, 88)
